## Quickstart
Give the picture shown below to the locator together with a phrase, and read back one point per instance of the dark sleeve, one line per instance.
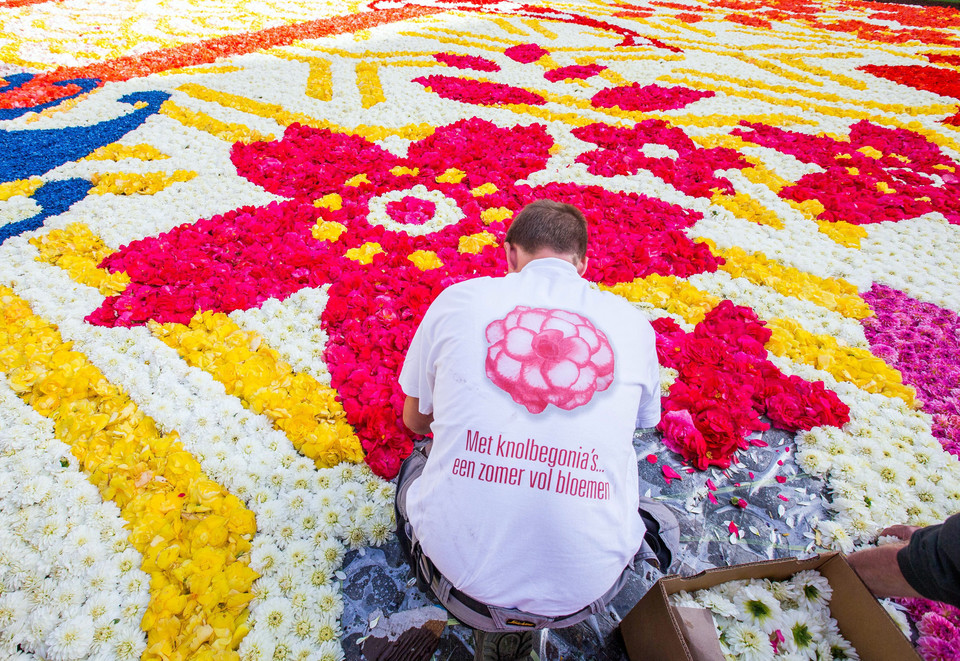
(930, 563)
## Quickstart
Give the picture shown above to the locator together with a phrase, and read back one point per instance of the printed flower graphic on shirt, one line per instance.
(540, 356)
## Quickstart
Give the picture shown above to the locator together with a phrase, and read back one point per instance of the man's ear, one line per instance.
(582, 265)
(513, 257)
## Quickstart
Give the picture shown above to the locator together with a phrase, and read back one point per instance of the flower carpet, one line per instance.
(221, 223)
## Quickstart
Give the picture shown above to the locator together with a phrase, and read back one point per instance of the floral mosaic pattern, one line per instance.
(218, 235)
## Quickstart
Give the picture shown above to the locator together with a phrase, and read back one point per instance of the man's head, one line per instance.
(547, 229)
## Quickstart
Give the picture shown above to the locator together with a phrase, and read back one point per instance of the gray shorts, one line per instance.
(485, 617)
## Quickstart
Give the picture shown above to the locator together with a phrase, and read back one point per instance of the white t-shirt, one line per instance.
(536, 382)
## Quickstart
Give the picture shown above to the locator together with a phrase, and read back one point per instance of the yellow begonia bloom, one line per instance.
(495, 215)
(425, 260)
(474, 243)
(484, 189)
(357, 180)
(365, 253)
(331, 201)
(451, 176)
(327, 230)
(809, 208)
(399, 171)
(871, 152)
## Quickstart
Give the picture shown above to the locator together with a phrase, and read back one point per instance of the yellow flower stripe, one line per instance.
(319, 81)
(610, 75)
(66, 106)
(199, 70)
(483, 38)
(844, 233)
(306, 410)
(537, 26)
(129, 183)
(227, 131)
(361, 55)
(832, 293)
(706, 121)
(285, 118)
(850, 364)
(689, 27)
(750, 83)
(368, 82)
(117, 152)
(79, 252)
(194, 536)
(669, 293)
(832, 111)
(743, 206)
(20, 187)
(505, 25)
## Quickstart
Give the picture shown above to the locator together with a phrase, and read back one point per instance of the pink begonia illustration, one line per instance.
(541, 357)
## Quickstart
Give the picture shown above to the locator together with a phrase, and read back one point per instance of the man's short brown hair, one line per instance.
(548, 224)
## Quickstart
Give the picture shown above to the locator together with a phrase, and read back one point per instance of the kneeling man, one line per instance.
(524, 511)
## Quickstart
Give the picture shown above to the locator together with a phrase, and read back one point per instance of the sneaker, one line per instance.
(504, 646)
(663, 532)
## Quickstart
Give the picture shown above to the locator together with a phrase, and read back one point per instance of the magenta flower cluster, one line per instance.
(921, 340)
(939, 628)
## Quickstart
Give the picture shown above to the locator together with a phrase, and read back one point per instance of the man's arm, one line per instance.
(415, 421)
(878, 567)
(879, 570)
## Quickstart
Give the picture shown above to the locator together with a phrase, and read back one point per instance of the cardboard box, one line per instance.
(656, 631)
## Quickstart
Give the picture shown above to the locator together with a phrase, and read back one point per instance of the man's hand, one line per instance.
(900, 531)
(415, 421)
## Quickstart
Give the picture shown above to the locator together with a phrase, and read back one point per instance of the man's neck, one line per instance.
(517, 257)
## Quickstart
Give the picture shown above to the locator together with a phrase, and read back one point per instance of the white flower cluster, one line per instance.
(929, 240)
(292, 327)
(761, 620)
(884, 467)
(305, 516)
(668, 376)
(447, 212)
(296, 612)
(70, 584)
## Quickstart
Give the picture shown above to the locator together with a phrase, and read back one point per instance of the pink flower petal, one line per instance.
(669, 474)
